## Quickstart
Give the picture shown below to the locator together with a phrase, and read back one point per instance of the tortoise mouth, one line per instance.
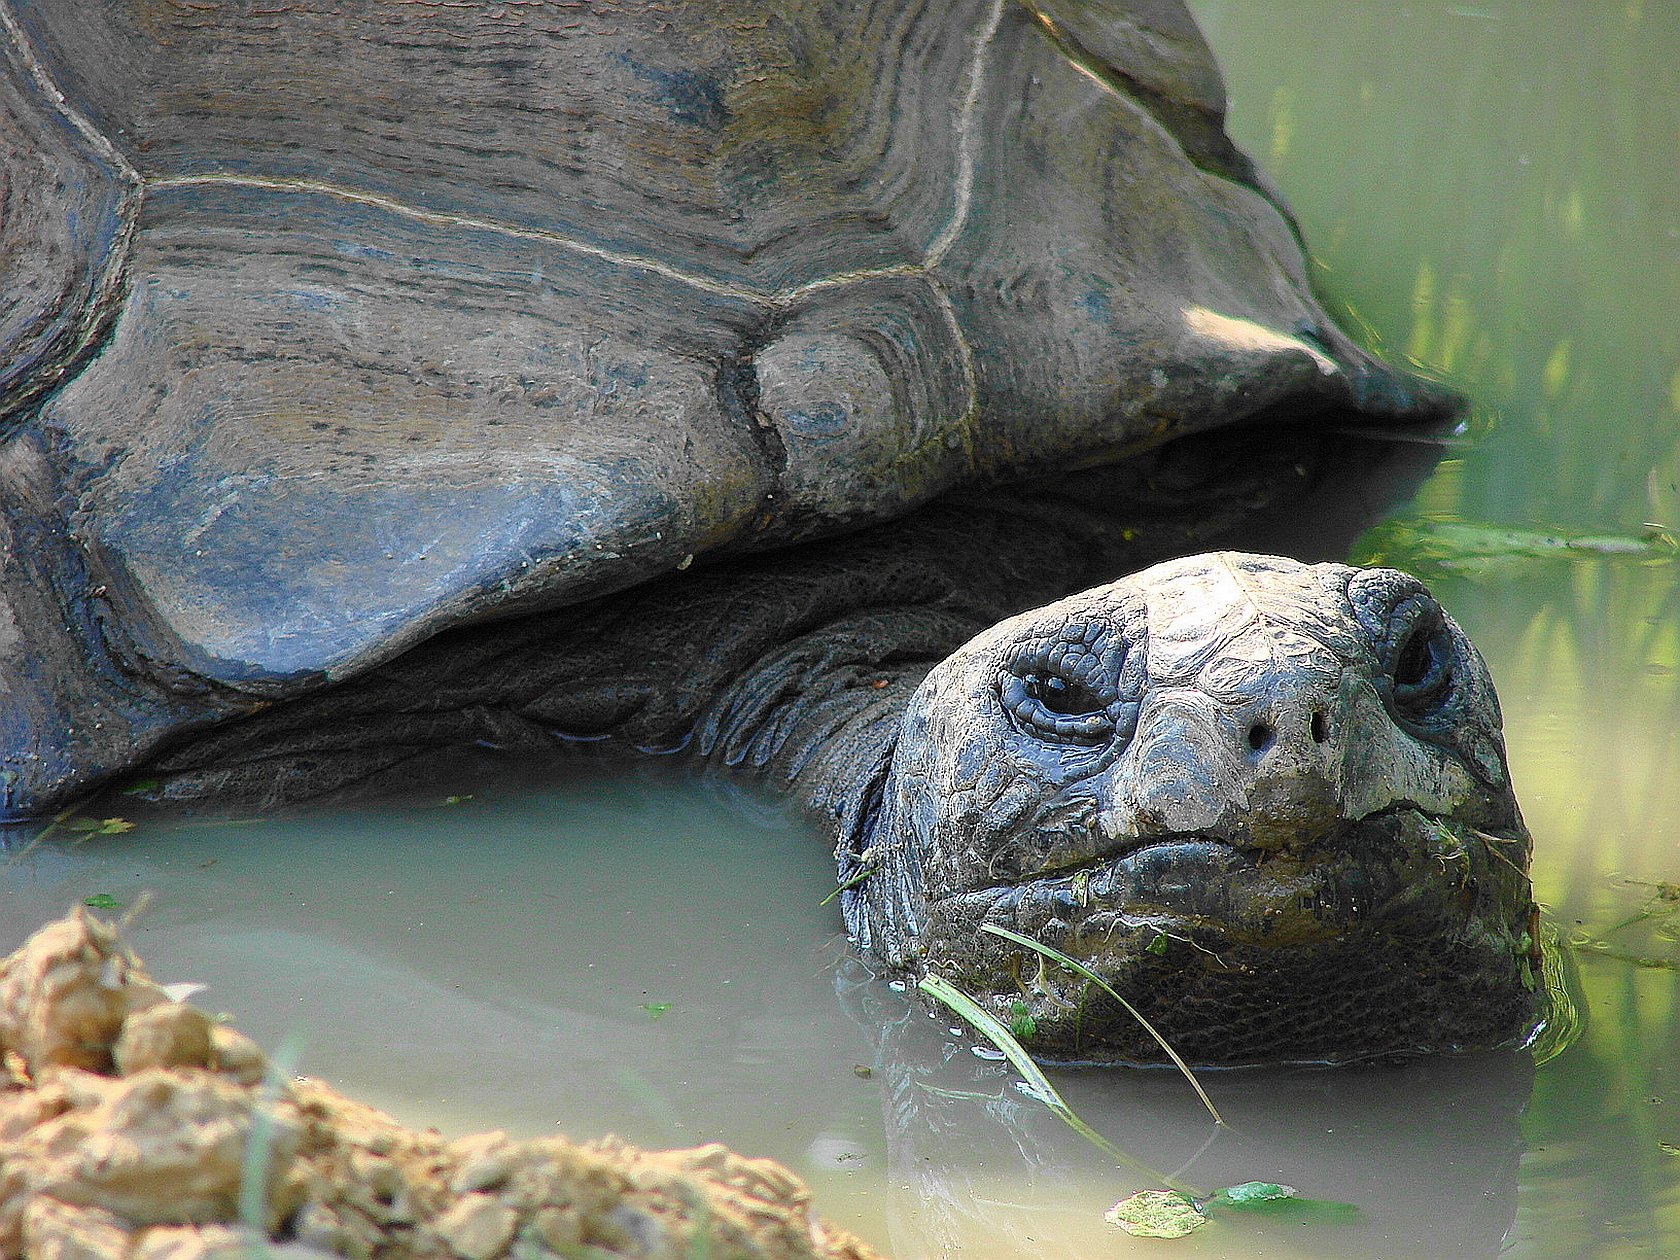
(1196, 884)
(1398, 934)
(1189, 886)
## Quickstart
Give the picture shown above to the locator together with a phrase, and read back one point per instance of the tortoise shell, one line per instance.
(327, 326)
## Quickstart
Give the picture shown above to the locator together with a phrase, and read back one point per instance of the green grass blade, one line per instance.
(254, 1167)
(993, 1030)
(853, 882)
(1072, 964)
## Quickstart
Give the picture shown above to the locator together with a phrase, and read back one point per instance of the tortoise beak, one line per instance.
(1267, 777)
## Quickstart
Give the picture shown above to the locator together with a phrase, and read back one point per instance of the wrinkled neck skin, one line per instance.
(1267, 802)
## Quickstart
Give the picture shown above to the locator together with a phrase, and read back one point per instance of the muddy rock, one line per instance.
(134, 1127)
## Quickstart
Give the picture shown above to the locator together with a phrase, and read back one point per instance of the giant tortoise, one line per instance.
(383, 378)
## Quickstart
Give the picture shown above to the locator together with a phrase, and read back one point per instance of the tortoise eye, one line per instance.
(1057, 709)
(1422, 668)
(1413, 665)
(1059, 695)
(1066, 687)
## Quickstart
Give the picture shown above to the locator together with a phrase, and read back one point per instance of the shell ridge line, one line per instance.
(439, 218)
(963, 125)
(621, 258)
(965, 423)
(962, 196)
(105, 293)
(1105, 76)
(37, 70)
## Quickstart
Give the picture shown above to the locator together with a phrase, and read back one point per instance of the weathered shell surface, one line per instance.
(326, 325)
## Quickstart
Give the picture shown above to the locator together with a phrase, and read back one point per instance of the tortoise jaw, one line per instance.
(1189, 883)
(1193, 922)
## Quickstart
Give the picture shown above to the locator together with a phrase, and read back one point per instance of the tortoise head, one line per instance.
(1267, 802)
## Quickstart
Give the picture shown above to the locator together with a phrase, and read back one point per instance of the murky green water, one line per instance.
(1491, 189)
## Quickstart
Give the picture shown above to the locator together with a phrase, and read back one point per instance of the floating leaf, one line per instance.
(1157, 946)
(1268, 1196)
(102, 901)
(1149, 1213)
(853, 882)
(1249, 1193)
(1426, 545)
(1172, 1214)
(99, 826)
(866, 868)
(992, 1029)
(1156, 1214)
(656, 1009)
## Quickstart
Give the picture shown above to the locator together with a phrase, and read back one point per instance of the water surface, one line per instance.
(1490, 190)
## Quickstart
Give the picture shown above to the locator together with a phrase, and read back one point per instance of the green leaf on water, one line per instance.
(141, 786)
(1172, 1214)
(1021, 1022)
(1268, 1196)
(1156, 1214)
(1249, 1193)
(992, 1029)
(656, 1009)
(99, 826)
(853, 882)
(1149, 1213)
(1157, 946)
(1430, 546)
(102, 901)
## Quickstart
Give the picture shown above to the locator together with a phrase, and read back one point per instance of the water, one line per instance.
(1490, 189)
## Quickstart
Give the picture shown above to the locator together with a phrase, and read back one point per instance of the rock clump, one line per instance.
(134, 1126)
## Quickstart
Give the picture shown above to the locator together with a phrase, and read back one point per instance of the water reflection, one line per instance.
(1427, 1152)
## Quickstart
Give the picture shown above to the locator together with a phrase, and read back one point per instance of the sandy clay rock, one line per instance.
(133, 1126)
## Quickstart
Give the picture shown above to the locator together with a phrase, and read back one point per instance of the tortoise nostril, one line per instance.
(1260, 736)
(1320, 726)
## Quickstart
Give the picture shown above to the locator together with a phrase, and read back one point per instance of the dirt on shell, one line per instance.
(135, 1126)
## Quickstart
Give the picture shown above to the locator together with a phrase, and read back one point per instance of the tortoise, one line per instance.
(383, 379)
